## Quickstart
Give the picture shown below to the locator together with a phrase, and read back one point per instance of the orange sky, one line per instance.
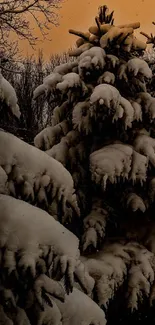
(79, 14)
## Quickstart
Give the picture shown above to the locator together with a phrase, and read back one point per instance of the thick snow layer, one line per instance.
(79, 309)
(28, 227)
(49, 83)
(8, 94)
(51, 80)
(30, 159)
(92, 57)
(65, 67)
(69, 80)
(118, 160)
(40, 90)
(40, 177)
(109, 95)
(137, 65)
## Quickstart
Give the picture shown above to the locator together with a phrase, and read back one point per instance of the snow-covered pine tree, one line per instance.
(42, 279)
(102, 131)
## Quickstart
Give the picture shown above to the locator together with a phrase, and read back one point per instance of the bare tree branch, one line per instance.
(15, 18)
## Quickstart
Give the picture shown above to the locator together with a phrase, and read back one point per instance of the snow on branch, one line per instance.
(8, 95)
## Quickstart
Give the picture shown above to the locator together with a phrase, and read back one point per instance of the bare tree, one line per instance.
(15, 18)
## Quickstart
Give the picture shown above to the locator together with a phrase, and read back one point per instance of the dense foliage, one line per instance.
(92, 170)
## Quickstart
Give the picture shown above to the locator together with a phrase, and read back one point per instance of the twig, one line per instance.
(150, 39)
(12, 71)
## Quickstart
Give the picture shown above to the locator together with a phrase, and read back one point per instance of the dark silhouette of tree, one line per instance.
(15, 18)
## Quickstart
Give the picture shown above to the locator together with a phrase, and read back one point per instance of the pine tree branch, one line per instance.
(80, 34)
